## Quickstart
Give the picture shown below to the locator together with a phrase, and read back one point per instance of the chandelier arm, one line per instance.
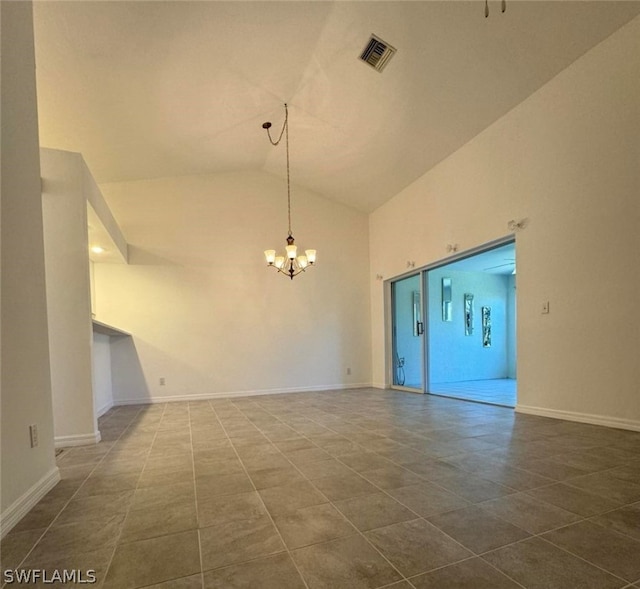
(287, 271)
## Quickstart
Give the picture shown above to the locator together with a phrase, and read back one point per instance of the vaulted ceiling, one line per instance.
(153, 89)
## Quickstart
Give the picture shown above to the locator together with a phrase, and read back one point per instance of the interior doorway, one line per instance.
(471, 336)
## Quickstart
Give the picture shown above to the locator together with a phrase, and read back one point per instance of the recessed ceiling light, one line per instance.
(96, 249)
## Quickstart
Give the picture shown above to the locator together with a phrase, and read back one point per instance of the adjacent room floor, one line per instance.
(350, 489)
(499, 391)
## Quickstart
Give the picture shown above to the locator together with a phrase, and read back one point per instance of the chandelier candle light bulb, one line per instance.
(292, 264)
(270, 255)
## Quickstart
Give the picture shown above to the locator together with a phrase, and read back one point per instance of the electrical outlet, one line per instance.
(162, 381)
(33, 435)
(348, 371)
(545, 308)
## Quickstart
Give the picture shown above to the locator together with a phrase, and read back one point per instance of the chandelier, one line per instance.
(290, 264)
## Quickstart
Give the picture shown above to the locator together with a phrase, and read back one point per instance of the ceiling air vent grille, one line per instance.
(377, 53)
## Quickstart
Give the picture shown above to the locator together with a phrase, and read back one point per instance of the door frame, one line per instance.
(391, 359)
(423, 272)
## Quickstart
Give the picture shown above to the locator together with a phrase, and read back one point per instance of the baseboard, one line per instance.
(105, 408)
(21, 506)
(604, 420)
(77, 440)
(232, 394)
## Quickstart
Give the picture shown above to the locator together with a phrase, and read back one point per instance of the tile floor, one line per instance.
(497, 391)
(348, 489)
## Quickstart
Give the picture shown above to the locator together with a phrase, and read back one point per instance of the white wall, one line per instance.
(453, 355)
(207, 314)
(102, 381)
(566, 158)
(26, 388)
(92, 286)
(68, 296)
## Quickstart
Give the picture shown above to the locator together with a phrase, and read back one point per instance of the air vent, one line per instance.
(377, 53)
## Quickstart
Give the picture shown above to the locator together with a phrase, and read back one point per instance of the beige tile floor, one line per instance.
(348, 489)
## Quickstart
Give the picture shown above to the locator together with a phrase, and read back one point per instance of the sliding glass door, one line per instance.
(408, 333)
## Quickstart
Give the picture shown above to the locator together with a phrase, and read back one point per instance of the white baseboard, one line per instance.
(232, 394)
(21, 506)
(604, 420)
(102, 410)
(77, 440)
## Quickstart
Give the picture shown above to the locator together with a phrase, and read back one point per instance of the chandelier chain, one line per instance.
(284, 126)
(285, 132)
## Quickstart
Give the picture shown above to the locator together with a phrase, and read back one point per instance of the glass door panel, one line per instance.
(408, 333)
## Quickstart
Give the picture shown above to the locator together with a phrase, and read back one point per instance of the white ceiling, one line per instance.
(153, 89)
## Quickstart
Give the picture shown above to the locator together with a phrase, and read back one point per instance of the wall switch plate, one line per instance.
(162, 381)
(33, 435)
(348, 371)
(545, 308)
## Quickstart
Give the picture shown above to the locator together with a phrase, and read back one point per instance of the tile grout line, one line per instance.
(273, 523)
(380, 489)
(195, 494)
(317, 420)
(475, 555)
(555, 546)
(591, 519)
(53, 521)
(124, 521)
(359, 532)
(479, 504)
(516, 491)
